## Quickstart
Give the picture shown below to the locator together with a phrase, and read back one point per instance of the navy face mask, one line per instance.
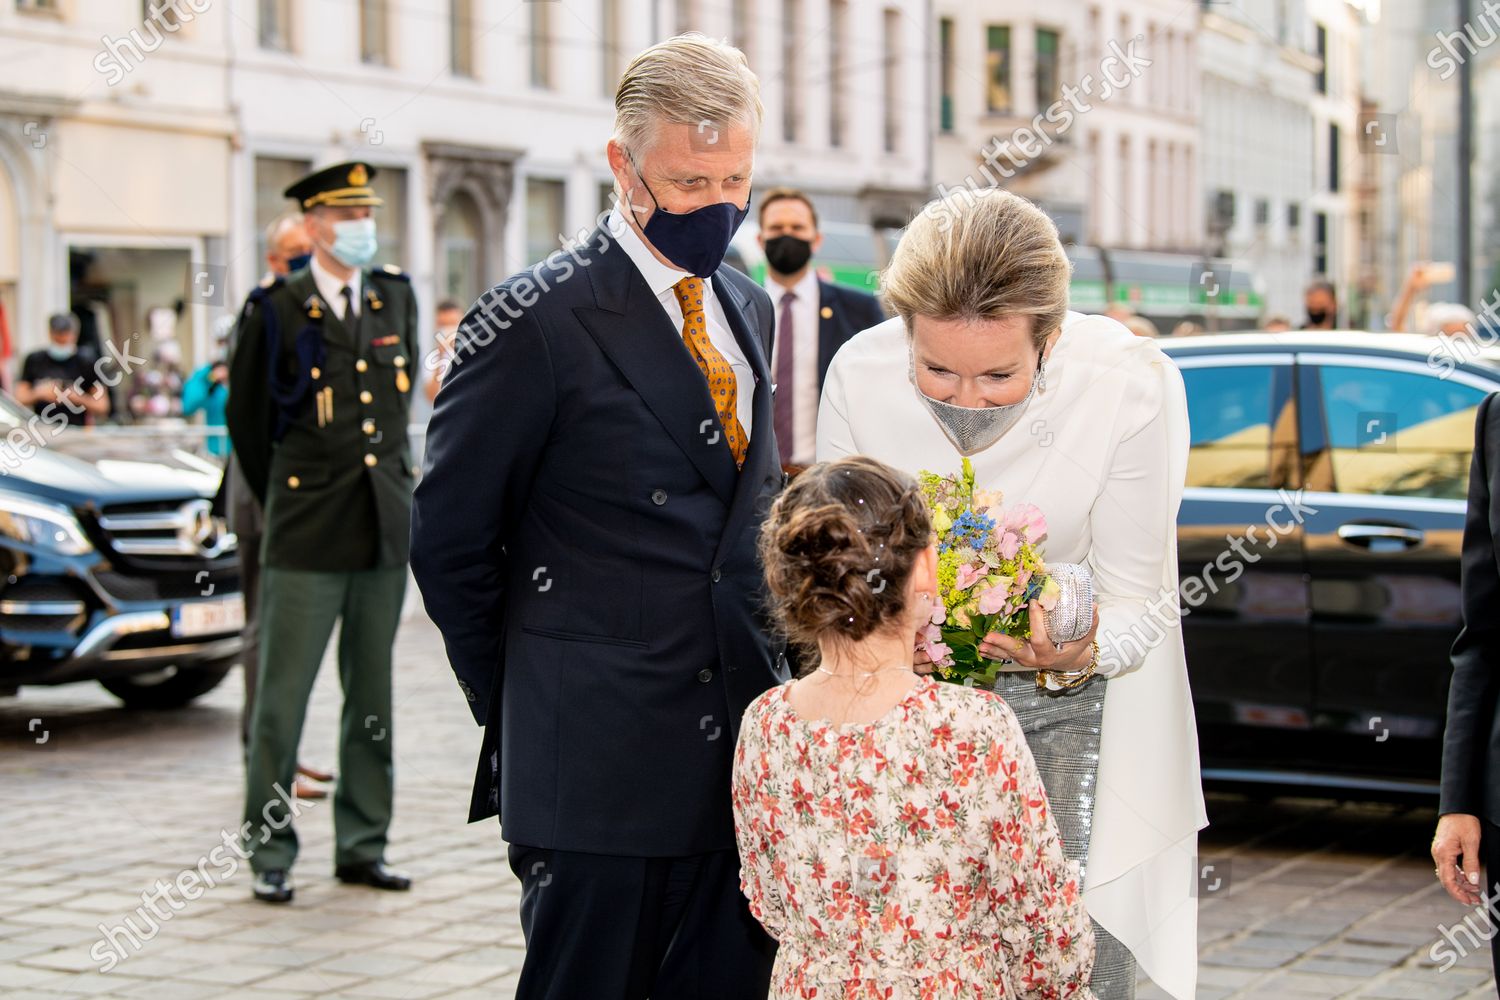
(298, 262)
(695, 241)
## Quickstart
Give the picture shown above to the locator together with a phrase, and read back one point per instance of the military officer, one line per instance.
(320, 385)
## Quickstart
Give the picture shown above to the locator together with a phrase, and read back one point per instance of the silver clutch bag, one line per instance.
(1073, 615)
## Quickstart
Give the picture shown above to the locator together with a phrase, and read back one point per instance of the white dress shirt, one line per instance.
(1102, 450)
(804, 360)
(331, 289)
(661, 279)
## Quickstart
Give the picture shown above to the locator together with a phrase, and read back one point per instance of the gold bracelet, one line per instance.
(1071, 679)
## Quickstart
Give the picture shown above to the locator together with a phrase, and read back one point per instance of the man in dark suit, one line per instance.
(598, 465)
(1468, 830)
(804, 302)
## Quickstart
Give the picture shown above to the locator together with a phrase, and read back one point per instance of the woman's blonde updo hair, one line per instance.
(976, 255)
(838, 549)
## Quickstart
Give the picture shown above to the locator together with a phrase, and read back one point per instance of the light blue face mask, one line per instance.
(354, 241)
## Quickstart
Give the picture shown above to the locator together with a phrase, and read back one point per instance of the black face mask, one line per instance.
(1316, 317)
(788, 254)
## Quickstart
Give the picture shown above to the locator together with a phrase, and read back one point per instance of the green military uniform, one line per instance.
(318, 413)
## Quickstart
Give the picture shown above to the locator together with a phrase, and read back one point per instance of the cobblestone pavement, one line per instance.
(96, 804)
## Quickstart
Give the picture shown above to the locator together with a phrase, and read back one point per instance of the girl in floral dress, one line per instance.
(894, 835)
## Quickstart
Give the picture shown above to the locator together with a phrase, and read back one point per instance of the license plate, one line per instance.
(227, 614)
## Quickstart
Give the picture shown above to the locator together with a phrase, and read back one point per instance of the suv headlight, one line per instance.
(41, 524)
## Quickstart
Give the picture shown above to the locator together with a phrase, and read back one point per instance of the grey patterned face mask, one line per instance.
(972, 429)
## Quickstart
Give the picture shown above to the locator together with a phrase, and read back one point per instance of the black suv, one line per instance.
(1318, 652)
(112, 565)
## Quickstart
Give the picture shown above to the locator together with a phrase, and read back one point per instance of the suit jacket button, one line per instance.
(365, 396)
(361, 365)
(658, 497)
(292, 482)
(370, 460)
(704, 676)
(714, 576)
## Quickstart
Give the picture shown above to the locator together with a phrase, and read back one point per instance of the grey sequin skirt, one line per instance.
(1062, 729)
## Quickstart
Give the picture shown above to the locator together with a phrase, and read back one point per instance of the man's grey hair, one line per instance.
(687, 80)
(62, 323)
(280, 225)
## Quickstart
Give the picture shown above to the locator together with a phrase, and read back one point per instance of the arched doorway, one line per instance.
(461, 253)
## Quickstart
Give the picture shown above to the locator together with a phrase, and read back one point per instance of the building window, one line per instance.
(539, 29)
(1048, 75)
(791, 100)
(1320, 242)
(838, 95)
(1321, 34)
(892, 48)
(683, 16)
(945, 74)
(164, 14)
(1333, 157)
(609, 47)
(997, 70)
(1294, 216)
(273, 175)
(739, 25)
(373, 45)
(39, 6)
(461, 37)
(390, 186)
(276, 24)
(544, 214)
(1262, 212)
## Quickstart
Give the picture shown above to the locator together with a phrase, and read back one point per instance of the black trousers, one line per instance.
(603, 927)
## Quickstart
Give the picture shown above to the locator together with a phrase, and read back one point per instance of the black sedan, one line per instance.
(1318, 543)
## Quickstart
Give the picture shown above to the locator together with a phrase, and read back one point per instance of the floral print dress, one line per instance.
(909, 858)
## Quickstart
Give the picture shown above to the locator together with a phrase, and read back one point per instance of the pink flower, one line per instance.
(1026, 520)
(1010, 544)
(993, 599)
(968, 575)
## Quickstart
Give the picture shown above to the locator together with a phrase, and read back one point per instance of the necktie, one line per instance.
(721, 381)
(785, 351)
(351, 318)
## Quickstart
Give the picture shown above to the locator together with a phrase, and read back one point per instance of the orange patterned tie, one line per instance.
(721, 381)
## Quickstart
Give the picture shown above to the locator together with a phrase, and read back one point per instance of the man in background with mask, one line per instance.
(1322, 304)
(813, 319)
(319, 389)
(59, 377)
(598, 465)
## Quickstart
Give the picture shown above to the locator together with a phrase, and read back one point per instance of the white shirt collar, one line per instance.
(806, 288)
(660, 278)
(332, 289)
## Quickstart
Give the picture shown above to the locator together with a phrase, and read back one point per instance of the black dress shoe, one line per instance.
(273, 886)
(373, 873)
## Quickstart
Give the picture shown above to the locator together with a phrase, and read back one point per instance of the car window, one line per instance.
(1398, 433)
(1229, 414)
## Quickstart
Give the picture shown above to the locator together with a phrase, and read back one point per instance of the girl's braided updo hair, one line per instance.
(838, 548)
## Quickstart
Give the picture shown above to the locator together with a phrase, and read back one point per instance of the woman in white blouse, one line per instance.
(1076, 415)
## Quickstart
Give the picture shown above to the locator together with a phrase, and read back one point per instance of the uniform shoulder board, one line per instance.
(395, 272)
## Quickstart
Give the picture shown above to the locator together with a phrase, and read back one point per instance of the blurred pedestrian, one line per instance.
(319, 392)
(56, 376)
(207, 388)
(813, 318)
(1277, 324)
(448, 315)
(1468, 829)
(287, 246)
(1322, 304)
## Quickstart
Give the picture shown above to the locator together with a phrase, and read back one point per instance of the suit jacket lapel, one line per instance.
(829, 322)
(628, 324)
(763, 458)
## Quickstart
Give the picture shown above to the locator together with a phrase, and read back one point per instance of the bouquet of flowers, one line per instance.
(989, 571)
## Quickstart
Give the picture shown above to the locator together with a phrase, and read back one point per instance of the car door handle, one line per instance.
(1370, 536)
